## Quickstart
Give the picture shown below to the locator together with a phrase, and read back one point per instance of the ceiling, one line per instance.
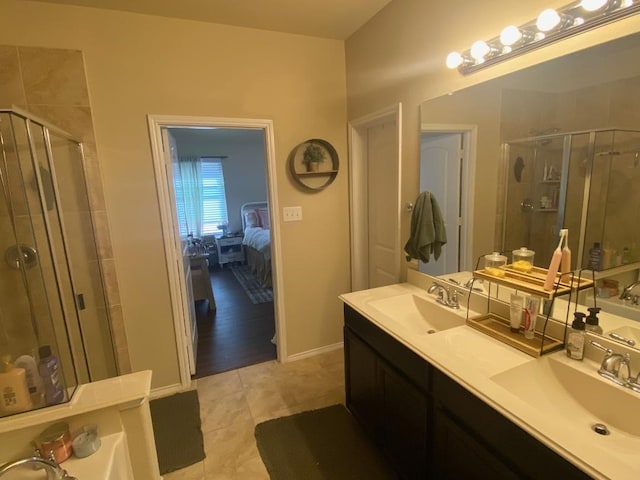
(336, 19)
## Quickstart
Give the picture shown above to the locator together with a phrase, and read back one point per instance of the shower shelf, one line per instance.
(546, 210)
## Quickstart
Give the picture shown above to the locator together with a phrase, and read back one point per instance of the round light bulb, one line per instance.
(479, 49)
(510, 35)
(454, 60)
(593, 5)
(548, 20)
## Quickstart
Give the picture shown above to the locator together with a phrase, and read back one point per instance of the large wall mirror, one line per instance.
(554, 146)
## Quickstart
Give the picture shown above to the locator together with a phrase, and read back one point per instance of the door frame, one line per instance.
(358, 191)
(168, 223)
(469, 134)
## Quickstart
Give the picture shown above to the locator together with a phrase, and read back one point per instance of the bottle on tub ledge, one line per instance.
(50, 374)
(14, 391)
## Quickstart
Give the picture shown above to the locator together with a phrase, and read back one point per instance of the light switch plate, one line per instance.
(292, 214)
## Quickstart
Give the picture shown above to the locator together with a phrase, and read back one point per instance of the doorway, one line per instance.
(447, 163)
(180, 288)
(375, 148)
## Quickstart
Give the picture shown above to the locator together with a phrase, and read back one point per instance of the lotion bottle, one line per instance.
(34, 382)
(14, 393)
(592, 321)
(576, 337)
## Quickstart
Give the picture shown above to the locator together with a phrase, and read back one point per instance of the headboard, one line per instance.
(261, 218)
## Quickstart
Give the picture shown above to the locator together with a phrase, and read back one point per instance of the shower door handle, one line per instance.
(80, 301)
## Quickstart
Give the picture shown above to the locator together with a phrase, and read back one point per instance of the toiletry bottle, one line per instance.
(515, 314)
(14, 393)
(34, 381)
(531, 307)
(592, 320)
(575, 339)
(595, 257)
(48, 368)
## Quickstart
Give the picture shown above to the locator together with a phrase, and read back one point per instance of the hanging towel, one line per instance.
(428, 233)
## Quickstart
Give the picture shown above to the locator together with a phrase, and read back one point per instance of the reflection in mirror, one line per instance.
(560, 144)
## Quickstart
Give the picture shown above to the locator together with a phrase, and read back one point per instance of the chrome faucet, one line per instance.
(54, 471)
(626, 291)
(615, 366)
(449, 299)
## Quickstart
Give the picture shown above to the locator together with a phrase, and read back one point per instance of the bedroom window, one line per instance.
(200, 196)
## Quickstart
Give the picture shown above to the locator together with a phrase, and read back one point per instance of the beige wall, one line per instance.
(399, 57)
(138, 65)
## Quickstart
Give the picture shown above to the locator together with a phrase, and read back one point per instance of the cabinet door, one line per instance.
(363, 394)
(461, 457)
(405, 411)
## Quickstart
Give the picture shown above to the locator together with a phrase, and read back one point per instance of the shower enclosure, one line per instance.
(584, 181)
(51, 290)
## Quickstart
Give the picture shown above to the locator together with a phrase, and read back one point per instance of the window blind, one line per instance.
(214, 199)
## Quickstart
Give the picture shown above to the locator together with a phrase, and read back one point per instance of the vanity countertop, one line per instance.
(472, 358)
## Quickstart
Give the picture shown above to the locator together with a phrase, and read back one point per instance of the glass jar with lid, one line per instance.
(494, 264)
(523, 259)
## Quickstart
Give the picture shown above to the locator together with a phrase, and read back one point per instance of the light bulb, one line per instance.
(593, 5)
(510, 35)
(454, 60)
(548, 20)
(479, 49)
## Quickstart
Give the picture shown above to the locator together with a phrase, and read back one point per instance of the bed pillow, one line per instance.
(263, 213)
(251, 219)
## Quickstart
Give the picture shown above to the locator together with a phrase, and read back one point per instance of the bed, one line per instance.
(256, 227)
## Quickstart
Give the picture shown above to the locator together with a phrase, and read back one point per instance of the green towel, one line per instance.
(428, 233)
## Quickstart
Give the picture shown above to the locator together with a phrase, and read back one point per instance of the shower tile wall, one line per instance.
(51, 84)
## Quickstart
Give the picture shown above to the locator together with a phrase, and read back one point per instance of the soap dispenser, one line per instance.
(592, 320)
(576, 338)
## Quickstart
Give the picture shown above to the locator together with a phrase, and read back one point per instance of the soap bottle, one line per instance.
(34, 381)
(595, 257)
(592, 320)
(48, 369)
(576, 337)
(14, 393)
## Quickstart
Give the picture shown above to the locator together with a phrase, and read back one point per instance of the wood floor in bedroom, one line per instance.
(238, 333)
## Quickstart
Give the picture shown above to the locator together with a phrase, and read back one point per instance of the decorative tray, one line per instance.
(498, 328)
(533, 282)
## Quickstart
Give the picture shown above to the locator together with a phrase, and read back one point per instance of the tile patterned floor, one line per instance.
(233, 403)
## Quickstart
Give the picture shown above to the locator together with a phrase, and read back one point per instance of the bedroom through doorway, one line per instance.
(216, 181)
(221, 192)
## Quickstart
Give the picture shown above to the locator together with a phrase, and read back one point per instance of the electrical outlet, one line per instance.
(292, 214)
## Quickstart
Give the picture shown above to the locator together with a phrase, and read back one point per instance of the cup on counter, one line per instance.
(56, 439)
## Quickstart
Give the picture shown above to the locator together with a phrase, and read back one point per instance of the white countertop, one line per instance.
(471, 358)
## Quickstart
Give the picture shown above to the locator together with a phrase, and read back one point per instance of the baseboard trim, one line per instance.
(314, 352)
(166, 391)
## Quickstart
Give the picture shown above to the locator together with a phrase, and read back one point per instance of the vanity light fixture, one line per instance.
(550, 26)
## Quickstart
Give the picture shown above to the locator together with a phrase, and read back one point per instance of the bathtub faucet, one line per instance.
(54, 471)
(626, 291)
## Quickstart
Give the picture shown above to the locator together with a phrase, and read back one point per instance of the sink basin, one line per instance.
(627, 332)
(418, 314)
(576, 393)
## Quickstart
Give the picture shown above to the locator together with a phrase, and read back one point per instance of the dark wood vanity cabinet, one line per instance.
(427, 424)
(391, 407)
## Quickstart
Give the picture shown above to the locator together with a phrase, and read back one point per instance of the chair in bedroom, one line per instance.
(201, 281)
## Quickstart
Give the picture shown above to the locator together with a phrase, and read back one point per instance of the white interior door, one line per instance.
(183, 263)
(374, 188)
(382, 210)
(440, 174)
